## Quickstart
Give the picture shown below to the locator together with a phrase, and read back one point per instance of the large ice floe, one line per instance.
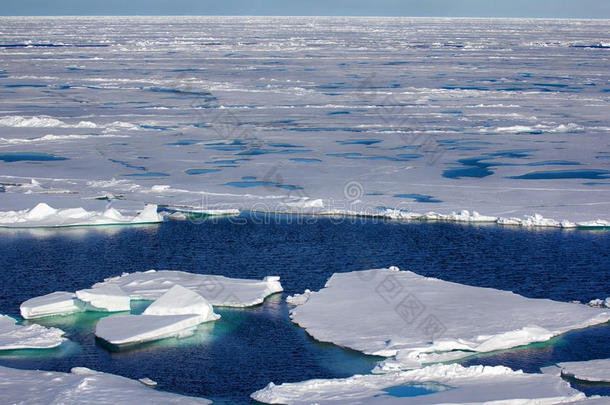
(417, 320)
(592, 370)
(175, 314)
(81, 386)
(217, 290)
(437, 384)
(43, 215)
(14, 336)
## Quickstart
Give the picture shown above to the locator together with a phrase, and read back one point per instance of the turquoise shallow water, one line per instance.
(248, 348)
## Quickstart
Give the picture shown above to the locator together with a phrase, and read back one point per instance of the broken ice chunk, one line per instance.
(13, 336)
(57, 303)
(107, 298)
(182, 301)
(133, 329)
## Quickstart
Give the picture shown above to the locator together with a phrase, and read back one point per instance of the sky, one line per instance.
(440, 8)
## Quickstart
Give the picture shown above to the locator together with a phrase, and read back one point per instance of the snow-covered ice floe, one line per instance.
(56, 303)
(217, 290)
(43, 215)
(447, 384)
(60, 303)
(81, 386)
(14, 336)
(135, 329)
(419, 320)
(592, 370)
(175, 314)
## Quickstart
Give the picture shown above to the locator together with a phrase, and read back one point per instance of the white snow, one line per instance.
(14, 336)
(592, 370)
(422, 320)
(134, 329)
(182, 301)
(594, 400)
(535, 220)
(108, 298)
(148, 382)
(43, 215)
(217, 290)
(18, 121)
(460, 385)
(56, 303)
(83, 387)
(600, 303)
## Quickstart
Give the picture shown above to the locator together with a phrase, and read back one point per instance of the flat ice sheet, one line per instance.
(14, 336)
(56, 303)
(134, 329)
(504, 117)
(217, 290)
(460, 385)
(592, 370)
(82, 387)
(418, 320)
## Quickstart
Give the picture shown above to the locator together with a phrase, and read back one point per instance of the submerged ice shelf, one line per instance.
(416, 320)
(446, 384)
(81, 386)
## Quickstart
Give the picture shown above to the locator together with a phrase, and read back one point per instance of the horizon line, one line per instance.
(308, 15)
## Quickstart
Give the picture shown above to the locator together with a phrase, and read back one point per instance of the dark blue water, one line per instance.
(194, 172)
(29, 156)
(248, 348)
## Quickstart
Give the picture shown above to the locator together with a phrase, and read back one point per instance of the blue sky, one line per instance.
(474, 8)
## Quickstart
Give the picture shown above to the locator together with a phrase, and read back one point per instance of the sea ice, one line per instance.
(134, 329)
(43, 215)
(83, 387)
(107, 298)
(217, 290)
(14, 336)
(299, 299)
(387, 134)
(421, 320)
(182, 301)
(454, 384)
(592, 370)
(175, 314)
(56, 303)
(594, 400)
